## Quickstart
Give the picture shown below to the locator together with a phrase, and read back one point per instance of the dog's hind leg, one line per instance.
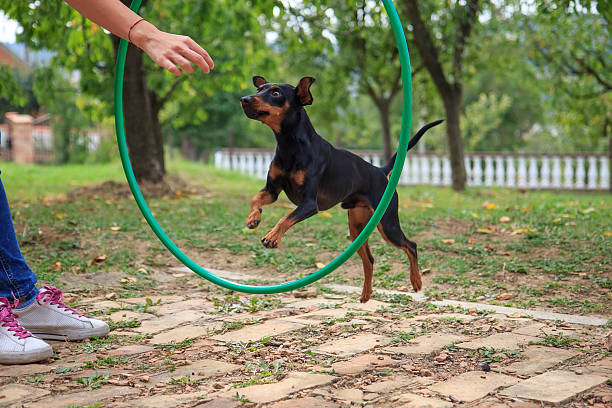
(358, 218)
(390, 229)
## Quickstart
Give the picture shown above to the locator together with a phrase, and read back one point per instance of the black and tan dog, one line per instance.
(316, 176)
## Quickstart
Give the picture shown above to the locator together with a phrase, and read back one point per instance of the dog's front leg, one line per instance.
(307, 208)
(266, 195)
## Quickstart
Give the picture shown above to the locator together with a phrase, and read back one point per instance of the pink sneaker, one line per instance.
(17, 345)
(49, 318)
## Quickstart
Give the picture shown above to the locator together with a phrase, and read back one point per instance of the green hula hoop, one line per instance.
(351, 249)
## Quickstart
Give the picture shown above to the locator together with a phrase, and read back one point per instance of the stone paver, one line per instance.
(532, 329)
(179, 334)
(198, 370)
(127, 315)
(371, 305)
(425, 344)
(221, 403)
(294, 382)
(554, 386)
(199, 305)
(536, 314)
(19, 393)
(472, 385)
(257, 332)
(353, 395)
(602, 367)
(416, 401)
(130, 350)
(165, 400)
(164, 299)
(314, 302)
(103, 305)
(540, 358)
(168, 322)
(542, 330)
(361, 363)
(352, 345)
(307, 402)
(383, 387)
(24, 369)
(317, 316)
(511, 341)
(444, 316)
(85, 398)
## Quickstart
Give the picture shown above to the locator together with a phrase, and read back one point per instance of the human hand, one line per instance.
(169, 50)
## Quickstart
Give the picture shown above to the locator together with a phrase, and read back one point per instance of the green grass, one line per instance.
(554, 253)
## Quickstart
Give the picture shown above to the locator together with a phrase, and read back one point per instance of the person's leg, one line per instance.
(42, 313)
(17, 281)
(17, 345)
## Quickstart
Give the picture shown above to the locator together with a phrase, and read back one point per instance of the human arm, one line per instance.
(165, 49)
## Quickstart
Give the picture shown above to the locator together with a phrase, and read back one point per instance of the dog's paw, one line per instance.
(254, 219)
(271, 240)
(252, 224)
(365, 297)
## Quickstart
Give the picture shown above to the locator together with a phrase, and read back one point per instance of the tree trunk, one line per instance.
(141, 123)
(452, 107)
(142, 128)
(450, 92)
(385, 124)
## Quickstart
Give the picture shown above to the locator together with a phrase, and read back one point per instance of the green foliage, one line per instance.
(558, 340)
(93, 382)
(12, 95)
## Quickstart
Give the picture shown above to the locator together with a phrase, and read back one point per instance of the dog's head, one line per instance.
(273, 102)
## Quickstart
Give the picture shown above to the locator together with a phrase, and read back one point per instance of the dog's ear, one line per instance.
(259, 81)
(303, 90)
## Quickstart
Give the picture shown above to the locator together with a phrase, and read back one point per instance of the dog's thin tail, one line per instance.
(413, 141)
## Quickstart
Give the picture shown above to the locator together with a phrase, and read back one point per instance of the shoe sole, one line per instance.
(72, 335)
(26, 357)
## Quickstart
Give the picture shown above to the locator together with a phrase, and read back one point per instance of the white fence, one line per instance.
(527, 171)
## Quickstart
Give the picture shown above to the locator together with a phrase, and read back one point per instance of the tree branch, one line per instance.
(464, 28)
(427, 49)
(159, 103)
(589, 69)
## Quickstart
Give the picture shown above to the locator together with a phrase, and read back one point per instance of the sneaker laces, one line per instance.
(8, 319)
(53, 295)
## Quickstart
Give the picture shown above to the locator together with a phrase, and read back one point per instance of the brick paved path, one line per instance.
(209, 348)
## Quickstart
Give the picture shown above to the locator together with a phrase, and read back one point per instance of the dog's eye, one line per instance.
(275, 94)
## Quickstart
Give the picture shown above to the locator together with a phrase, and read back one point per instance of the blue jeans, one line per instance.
(17, 281)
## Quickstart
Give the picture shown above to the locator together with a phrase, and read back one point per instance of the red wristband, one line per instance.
(132, 26)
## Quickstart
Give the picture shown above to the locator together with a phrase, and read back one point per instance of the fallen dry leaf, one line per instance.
(319, 265)
(98, 260)
(325, 214)
(489, 206)
(505, 218)
(484, 231)
(505, 296)
(448, 241)
(115, 228)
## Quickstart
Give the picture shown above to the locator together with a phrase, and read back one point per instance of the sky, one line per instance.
(8, 29)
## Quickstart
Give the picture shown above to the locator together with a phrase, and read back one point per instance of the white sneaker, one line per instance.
(17, 345)
(48, 318)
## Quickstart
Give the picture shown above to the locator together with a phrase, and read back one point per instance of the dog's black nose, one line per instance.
(246, 99)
